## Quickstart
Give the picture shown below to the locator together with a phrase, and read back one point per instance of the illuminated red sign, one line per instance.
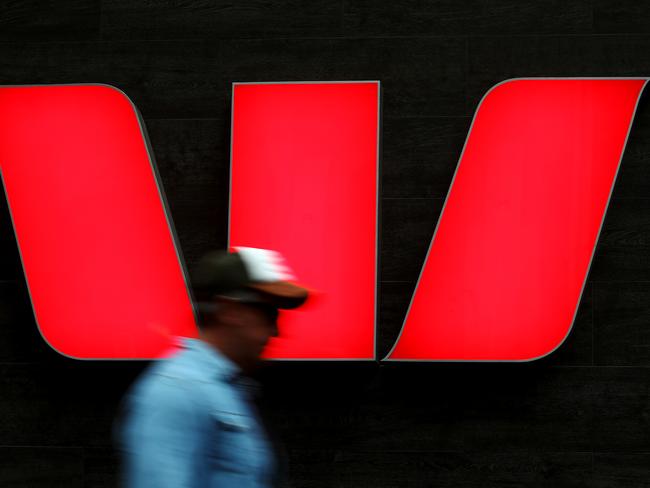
(505, 269)
(304, 179)
(512, 249)
(100, 261)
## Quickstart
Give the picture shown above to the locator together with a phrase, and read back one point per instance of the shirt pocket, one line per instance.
(231, 445)
(231, 422)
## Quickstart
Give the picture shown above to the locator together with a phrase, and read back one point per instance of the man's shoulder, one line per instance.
(180, 366)
(168, 377)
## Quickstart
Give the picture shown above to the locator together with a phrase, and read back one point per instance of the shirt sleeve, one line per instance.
(160, 436)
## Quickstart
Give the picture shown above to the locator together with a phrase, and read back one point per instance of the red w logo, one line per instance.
(502, 279)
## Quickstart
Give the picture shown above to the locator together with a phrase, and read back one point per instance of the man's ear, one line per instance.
(227, 310)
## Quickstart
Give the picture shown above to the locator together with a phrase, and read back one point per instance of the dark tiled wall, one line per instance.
(580, 417)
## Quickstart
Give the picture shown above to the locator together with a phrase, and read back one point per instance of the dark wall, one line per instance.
(580, 417)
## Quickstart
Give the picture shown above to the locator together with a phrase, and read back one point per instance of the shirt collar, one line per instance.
(212, 359)
(216, 363)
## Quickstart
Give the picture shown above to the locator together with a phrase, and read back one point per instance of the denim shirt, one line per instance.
(189, 422)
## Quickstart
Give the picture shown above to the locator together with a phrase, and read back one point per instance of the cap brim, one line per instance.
(283, 294)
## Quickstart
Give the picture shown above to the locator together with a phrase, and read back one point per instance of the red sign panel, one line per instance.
(100, 261)
(304, 182)
(512, 249)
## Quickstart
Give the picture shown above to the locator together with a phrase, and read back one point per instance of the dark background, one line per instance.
(579, 417)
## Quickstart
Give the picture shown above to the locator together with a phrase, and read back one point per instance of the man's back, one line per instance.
(188, 422)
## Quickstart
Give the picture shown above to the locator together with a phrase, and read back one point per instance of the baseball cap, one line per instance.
(249, 274)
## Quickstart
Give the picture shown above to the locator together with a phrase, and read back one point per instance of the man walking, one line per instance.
(189, 420)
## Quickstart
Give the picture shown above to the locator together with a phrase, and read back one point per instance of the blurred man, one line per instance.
(189, 420)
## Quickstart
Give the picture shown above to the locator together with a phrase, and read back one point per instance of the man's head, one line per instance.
(239, 296)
